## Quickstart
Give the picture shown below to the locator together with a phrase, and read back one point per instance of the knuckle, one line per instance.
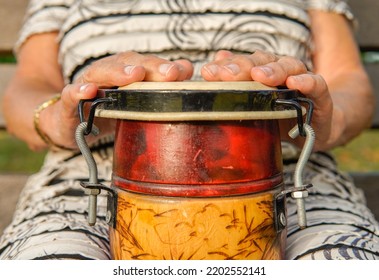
(320, 82)
(124, 56)
(267, 55)
(294, 63)
(260, 57)
(149, 58)
(87, 75)
(260, 52)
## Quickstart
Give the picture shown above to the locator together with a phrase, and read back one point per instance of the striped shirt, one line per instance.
(50, 219)
(195, 29)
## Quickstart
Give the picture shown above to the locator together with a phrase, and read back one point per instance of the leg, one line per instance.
(50, 219)
(340, 226)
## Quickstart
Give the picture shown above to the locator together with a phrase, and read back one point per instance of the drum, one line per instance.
(197, 171)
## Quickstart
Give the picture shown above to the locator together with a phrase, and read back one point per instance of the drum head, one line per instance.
(196, 100)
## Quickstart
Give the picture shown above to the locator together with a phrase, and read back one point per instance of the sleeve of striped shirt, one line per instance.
(42, 16)
(336, 6)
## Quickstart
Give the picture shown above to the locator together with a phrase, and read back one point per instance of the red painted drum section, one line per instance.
(197, 158)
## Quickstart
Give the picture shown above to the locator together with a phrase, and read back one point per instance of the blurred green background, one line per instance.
(16, 157)
(362, 154)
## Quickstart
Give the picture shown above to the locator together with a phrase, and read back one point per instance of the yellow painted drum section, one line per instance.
(177, 228)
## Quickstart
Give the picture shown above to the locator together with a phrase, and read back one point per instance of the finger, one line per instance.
(311, 85)
(262, 57)
(68, 112)
(315, 88)
(125, 68)
(222, 54)
(113, 71)
(186, 69)
(72, 94)
(229, 67)
(63, 115)
(158, 69)
(276, 73)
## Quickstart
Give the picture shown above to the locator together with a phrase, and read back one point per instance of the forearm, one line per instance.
(37, 78)
(22, 97)
(354, 104)
(337, 59)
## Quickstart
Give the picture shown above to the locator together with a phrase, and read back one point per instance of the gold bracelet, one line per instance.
(37, 113)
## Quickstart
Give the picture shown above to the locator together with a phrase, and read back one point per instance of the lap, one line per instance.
(340, 226)
(50, 217)
(50, 220)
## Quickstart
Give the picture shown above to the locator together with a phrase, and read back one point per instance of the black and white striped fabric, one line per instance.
(174, 29)
(340, 226)
(50, 220)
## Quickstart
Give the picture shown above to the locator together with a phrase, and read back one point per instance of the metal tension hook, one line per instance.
(92, 187)
(300, 191)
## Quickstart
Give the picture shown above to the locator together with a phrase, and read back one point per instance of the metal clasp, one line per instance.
(92, 187)
(304, 129)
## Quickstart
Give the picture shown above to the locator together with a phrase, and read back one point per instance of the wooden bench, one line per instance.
(366, 11)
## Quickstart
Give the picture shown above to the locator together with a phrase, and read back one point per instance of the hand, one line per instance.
(273, 70)
(117, 70)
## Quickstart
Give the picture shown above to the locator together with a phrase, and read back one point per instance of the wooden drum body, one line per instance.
(197, 171)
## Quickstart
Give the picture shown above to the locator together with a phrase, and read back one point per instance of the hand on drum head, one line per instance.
(273, 70)
(128, 67)
(112, 71)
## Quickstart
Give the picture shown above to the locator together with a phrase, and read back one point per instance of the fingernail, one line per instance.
(211, 69)
(267, 70)
(83, 87)
(165, 68)
(233, 68)
(129, 69)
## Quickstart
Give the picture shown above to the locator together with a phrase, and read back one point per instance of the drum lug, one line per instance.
(111, 208)
(280, 212)
(295, 191)
(93, 190)
(279, 206)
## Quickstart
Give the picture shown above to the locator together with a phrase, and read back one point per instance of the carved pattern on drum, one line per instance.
(161, 228)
